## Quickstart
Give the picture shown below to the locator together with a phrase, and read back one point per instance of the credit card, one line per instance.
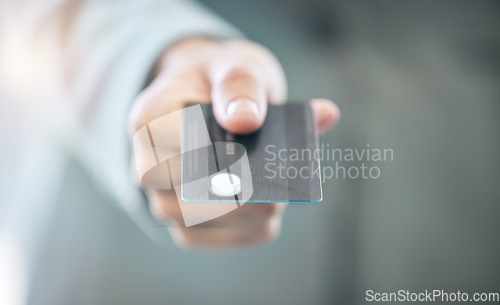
(278, 163)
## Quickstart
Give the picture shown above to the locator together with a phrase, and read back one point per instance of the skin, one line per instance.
(240, 78)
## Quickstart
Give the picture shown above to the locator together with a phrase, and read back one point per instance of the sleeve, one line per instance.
(111, 48)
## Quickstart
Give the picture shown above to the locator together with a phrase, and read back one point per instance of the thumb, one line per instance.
(239, 98)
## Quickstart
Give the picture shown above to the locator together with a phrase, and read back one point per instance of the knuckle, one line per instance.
(238, 74)
(240, 79)
(268, 232)
(166, 211)
(155, 102)
(183, 239)
(270, 209)
(136, 118)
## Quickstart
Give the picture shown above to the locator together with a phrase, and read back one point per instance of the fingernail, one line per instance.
(242, 106)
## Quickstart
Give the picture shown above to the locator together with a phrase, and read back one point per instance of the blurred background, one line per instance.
(419, 77)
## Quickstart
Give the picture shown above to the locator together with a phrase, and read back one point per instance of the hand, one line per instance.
(240, 78)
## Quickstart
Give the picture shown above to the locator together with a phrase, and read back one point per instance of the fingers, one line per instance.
(165, 96)
(244, 77)
(221, 238)
(326, 114)
(249, 225)
(239, 100)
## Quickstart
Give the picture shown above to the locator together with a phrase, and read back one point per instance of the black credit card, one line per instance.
(278, 163)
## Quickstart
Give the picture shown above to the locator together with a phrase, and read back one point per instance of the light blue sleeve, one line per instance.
(113, 45)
